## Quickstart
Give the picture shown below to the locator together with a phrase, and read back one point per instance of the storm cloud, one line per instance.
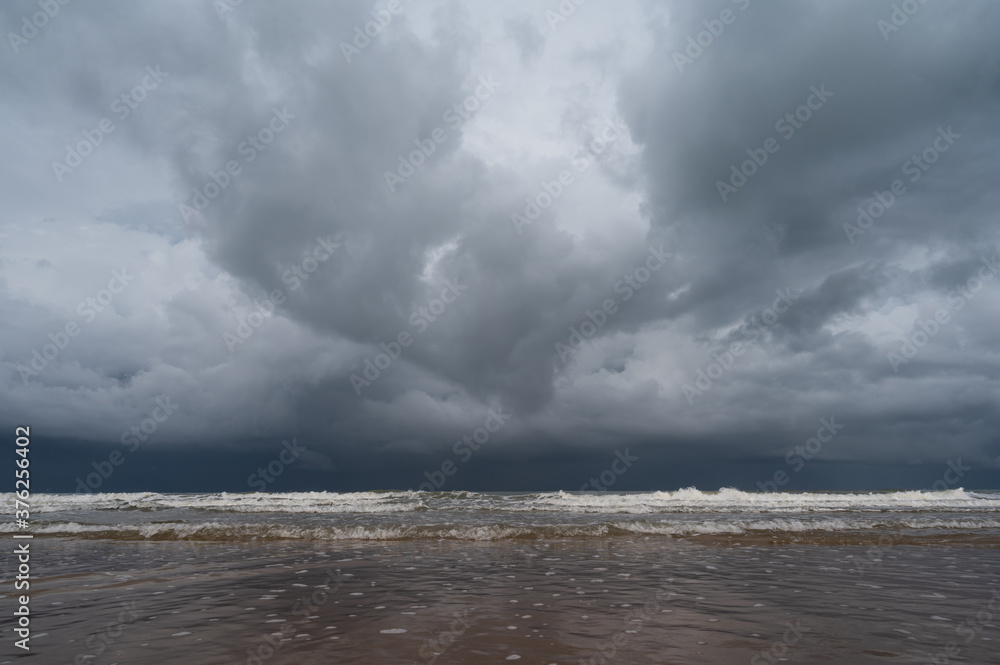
(689, 228)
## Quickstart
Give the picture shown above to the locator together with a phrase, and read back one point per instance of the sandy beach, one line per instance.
(625, 600)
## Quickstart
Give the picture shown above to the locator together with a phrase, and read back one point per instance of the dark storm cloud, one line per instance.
(785, 226)
(274, 130)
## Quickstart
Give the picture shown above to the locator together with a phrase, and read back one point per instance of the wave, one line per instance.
(735, 501)
(689, 500)
(255, 502)
(216, 531)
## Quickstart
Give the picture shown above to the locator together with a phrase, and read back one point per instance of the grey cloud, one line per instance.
(344, 125)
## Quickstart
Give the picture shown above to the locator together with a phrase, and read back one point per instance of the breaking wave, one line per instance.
(472, 516)
(688, 500)
(216, 531)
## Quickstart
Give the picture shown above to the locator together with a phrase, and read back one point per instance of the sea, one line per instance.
(687, 576)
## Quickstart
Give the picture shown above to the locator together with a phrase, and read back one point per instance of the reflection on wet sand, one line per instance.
(624, 599)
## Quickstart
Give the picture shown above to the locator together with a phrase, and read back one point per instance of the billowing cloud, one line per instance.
(695, 228)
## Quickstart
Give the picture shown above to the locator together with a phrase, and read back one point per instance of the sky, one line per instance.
(501, 246)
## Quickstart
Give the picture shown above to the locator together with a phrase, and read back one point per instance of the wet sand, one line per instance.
(624, 600)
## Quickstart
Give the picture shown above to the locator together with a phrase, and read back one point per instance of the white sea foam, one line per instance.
(733, 500)
(476, 516)
(499, 531)
(688, 500)
(255, 502)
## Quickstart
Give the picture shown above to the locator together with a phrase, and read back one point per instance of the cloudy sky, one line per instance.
(505, 240)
